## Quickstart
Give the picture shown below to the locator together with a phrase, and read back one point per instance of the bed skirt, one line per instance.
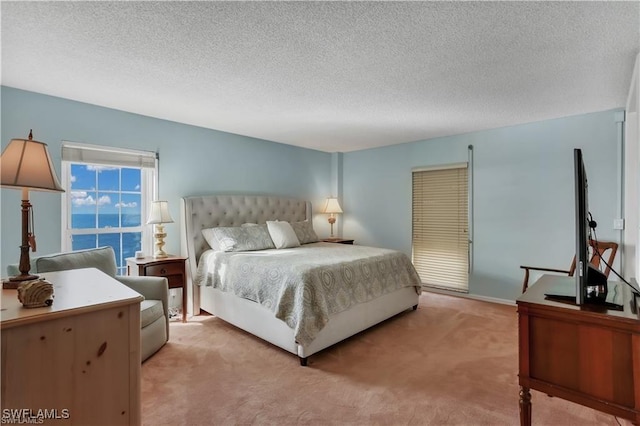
(259, 321)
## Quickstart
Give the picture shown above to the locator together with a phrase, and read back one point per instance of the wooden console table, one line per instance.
(76, 362)
(590, 356)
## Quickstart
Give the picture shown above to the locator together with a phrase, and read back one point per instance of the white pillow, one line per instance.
(282, 234)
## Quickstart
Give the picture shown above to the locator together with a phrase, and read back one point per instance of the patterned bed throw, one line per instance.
(303, 286)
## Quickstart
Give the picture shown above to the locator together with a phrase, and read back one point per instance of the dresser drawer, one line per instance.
(165, 269)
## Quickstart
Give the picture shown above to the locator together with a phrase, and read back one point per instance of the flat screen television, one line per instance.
(591, 283)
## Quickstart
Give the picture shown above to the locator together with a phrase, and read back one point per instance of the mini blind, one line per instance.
(441, 227)
(94, 154)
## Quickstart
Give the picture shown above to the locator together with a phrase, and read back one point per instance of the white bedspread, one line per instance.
(303, 286)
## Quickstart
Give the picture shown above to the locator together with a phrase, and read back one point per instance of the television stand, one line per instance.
(578, 353)
(565, 298)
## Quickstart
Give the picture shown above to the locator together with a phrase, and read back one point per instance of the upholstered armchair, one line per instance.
(154, 310)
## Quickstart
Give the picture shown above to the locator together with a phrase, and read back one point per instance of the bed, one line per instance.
(263, 313)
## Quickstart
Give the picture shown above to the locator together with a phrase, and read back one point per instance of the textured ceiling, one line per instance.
(332, 76)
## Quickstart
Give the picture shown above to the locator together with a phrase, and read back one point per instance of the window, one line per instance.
(440, 242)
(107, 198)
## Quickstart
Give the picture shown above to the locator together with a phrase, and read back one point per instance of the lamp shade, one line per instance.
(25, 163)
(159, 213)
(332, 206)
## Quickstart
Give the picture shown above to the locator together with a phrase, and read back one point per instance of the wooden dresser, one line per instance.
(76, 362)
(588, 355)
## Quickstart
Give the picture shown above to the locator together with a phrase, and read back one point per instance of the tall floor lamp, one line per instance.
(25, 164)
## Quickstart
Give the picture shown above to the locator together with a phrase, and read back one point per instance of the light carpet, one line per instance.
(453, 361)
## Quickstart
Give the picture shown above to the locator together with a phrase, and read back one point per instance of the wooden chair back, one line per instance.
(598, 251)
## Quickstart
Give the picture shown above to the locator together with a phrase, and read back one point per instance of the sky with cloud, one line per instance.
(107, 190)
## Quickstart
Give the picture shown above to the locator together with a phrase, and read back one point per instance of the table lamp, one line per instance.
(332, 207)
(25, 164)
(158, 216)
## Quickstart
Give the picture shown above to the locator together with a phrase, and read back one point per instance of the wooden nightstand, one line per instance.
(171, 267)
(337, 240)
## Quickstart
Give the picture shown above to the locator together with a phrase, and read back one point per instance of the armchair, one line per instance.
(154, 310)
(598, 253)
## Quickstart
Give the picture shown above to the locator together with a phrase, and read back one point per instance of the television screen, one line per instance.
(591, 283)
(582, 226)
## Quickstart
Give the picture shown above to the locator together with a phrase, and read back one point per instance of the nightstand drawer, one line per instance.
(175, 281)
(165, 269)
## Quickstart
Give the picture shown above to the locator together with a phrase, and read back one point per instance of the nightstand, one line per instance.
(337, 240)
(171, 267)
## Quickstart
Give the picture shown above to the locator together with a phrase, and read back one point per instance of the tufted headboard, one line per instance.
(208, 211)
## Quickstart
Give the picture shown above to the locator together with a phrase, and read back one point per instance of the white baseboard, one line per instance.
(469, 296)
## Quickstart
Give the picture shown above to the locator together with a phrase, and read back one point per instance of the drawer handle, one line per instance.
(163, 271)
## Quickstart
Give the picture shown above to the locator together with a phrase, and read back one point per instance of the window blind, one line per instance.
(441, 227)
(94, 154)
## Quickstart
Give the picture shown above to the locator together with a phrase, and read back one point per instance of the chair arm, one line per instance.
(536, 268)
(525, 282)
(152, 288)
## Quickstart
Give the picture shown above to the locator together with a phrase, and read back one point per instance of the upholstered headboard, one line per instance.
(209, 211)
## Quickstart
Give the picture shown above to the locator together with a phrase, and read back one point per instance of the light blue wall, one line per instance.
(193, 161)
(522, 191)
(523, 180)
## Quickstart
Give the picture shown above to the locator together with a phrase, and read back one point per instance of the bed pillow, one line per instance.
(304, 231)
(282, 234)
(236, 238)
(211, 239)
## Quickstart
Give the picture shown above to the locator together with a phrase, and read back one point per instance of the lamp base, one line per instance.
(159, 236)
(332, 220)
(13, 282)
(160, 255)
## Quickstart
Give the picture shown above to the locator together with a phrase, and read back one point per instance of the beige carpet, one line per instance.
(451, 362)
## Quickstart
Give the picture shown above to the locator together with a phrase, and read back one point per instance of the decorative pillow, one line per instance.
(211, 239)
(304, 231)
(282, 234)
(237, 238)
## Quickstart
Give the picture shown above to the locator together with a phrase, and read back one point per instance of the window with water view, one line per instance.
(105, 209)
(105, 205)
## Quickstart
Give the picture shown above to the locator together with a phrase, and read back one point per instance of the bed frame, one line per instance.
(199, 212)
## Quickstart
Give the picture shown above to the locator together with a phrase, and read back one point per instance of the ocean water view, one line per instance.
(104, 220)
(124, 244)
